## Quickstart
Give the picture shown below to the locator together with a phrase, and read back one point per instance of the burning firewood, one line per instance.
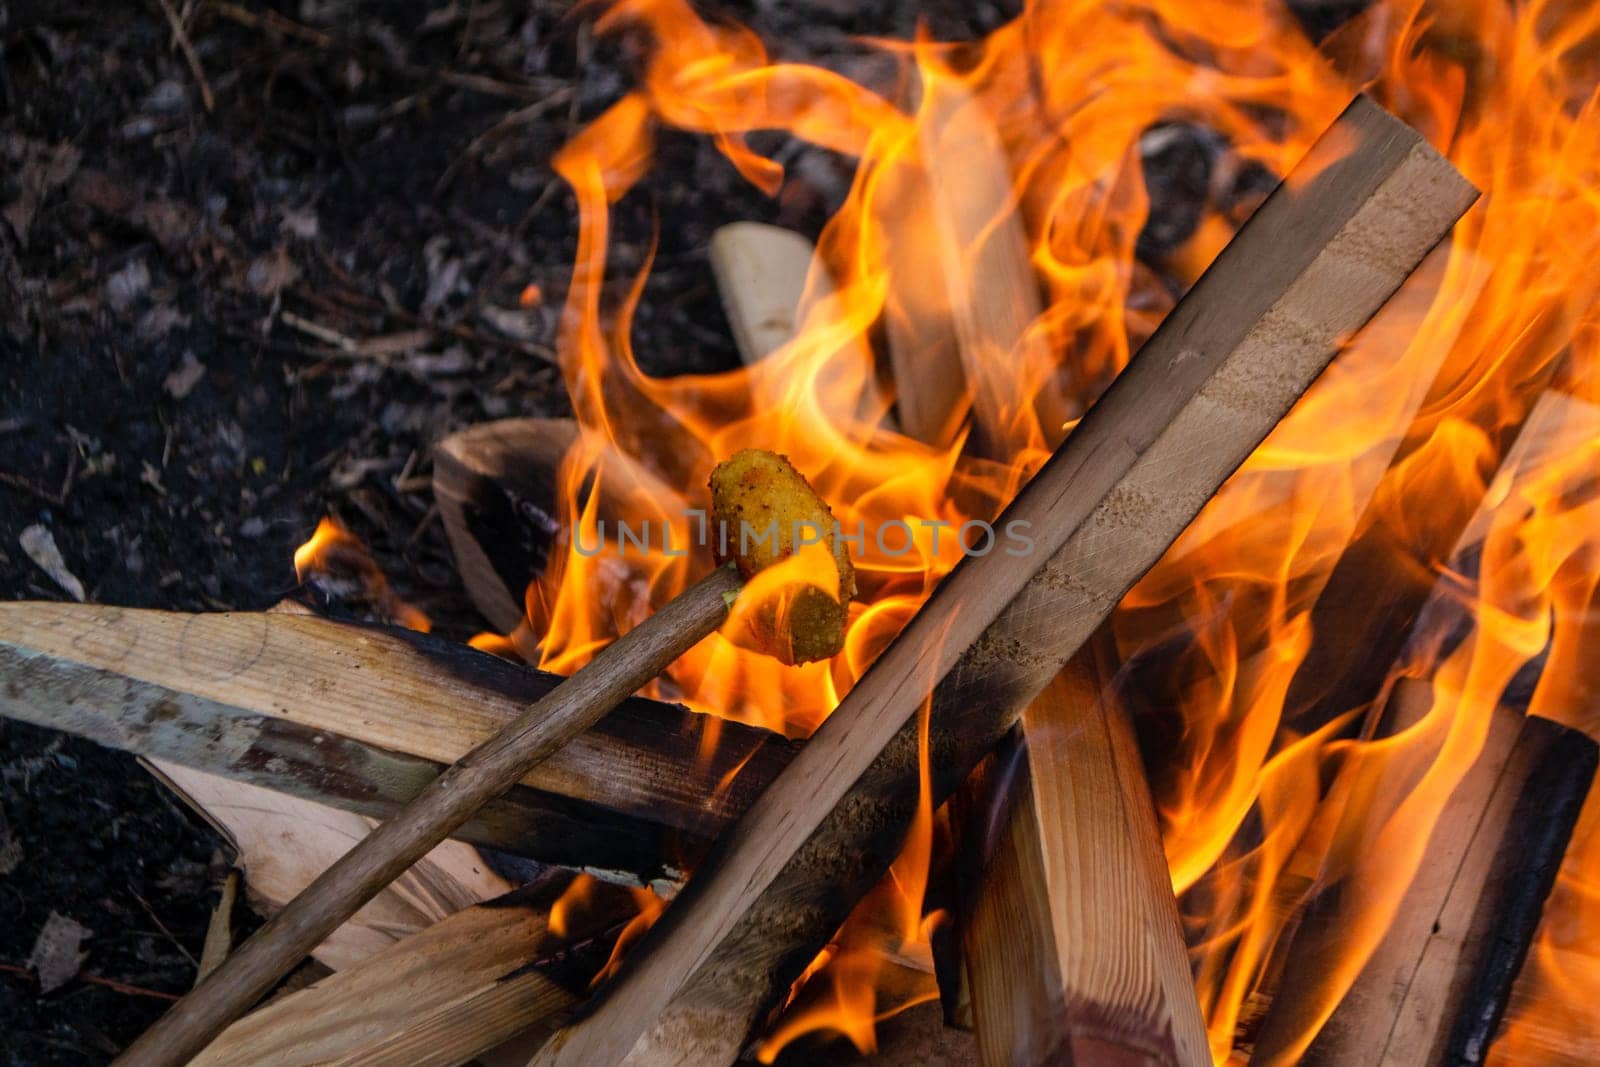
(982, 251)
(1073, 880)
(500, 762)
(1313, 265)
(1434, 987)
(366, 717)
(1073, 892)
(448, 993)
(1437, 983)
(496, 487)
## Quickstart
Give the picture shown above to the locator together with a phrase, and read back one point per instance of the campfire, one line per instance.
(1214, 666)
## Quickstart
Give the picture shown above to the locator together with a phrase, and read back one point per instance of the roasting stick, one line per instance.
(749, 482)
(1313, 265)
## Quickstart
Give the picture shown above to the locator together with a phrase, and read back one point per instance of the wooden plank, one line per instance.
(761, 274)
(991, 289)
(1376, 1016)
(621, 669)
(1434, 987)
(1073, 946)
(1316, 261)
(1555, 421)
(498, 494)
(924, 356)
(362, 718)
(443, 995)
(283, 842)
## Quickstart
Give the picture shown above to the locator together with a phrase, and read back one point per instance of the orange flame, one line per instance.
(1399, 436)
(335, 558)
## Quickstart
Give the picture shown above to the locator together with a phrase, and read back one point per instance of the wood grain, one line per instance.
(1071, 936)
(362, 718)
(1316, 261)
(485, 772)
(498, 493)
(1434, 987)
(440, 996)
(284, 842)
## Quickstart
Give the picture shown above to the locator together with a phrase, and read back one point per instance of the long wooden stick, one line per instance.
(363, 718)
(1316, 261)
(484, 773)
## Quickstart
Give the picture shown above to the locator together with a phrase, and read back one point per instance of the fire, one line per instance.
(1401, 436)
(335, 562)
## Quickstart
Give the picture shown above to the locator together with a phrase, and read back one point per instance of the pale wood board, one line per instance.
(441, 996)
(761, 273)
(989, 282)
(284, 842)
(1073, 946)
(363, 718)
(488, 770)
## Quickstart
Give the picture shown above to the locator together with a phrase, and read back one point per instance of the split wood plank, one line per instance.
(283, 842)
(441, 996)
(1071, 936)
(924, 355)
(1435, 987)
(1307, 271)
(989, 281)
(1413, 993)
(362, 718)
(484, 773)
(761, 273)
(500, 479)
(1557, 422)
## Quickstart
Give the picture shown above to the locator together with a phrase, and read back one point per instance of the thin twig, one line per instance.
(22, 484)
(322, 333)
(95, 979)
(148, 910)
(180, 40)
(271, 20)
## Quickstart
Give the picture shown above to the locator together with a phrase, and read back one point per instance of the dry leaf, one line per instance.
(524, 325)
(127, 285)
(56, 955)
(43, 169)
(269, 273)
(40, 545)
(181, 382)
(219, 932)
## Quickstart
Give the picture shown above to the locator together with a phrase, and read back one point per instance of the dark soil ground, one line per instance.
(379, 170)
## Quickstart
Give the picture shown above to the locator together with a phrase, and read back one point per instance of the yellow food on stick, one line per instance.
(783, 538)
